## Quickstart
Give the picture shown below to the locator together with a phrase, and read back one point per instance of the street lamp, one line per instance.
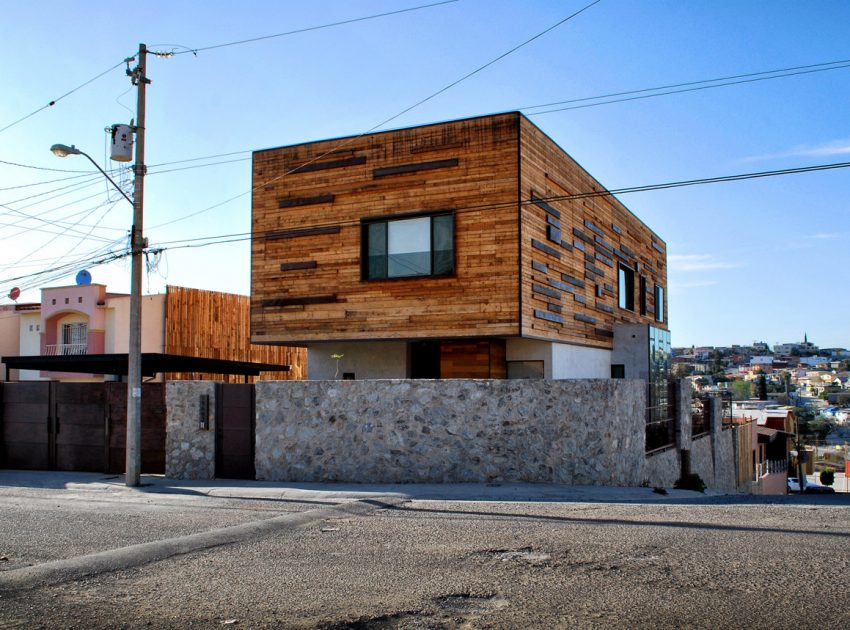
(63, 150)
(134, 354)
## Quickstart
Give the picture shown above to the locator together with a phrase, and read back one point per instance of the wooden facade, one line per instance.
(529, 260)
(215, 325)
(572, 249)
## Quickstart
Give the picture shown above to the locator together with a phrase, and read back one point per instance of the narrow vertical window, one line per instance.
(642, 295)
(626, 288)
(659, 303)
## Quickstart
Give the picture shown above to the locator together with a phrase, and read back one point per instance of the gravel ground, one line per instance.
(439, 564)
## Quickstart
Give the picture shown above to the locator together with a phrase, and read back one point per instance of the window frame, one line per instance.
(624, 271)
(658, 295)
(365, 225)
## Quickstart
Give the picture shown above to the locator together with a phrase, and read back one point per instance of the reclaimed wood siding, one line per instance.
(571, 249)
(215, 325)
(308, 204)
(474, 358)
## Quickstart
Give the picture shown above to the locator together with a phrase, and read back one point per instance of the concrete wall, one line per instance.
(189, 450)
(631, 348)
(153, 323)
(367, 360)
(561, 360)
(571, 432)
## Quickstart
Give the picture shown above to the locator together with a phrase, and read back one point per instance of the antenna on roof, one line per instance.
(83, 277)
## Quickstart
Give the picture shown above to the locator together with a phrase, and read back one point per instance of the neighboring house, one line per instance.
(80, 329)
(469, 249)
(774, 429)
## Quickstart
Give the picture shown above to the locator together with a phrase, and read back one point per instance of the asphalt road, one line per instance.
(719, 563)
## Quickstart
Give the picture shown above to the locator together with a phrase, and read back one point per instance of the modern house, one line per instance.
(468, 249)
(80, 333)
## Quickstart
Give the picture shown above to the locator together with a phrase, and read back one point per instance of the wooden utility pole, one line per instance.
(137, 247)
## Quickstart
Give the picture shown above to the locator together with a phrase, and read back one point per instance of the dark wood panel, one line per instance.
(315, 231)
(292, 266)
(294, 202)
(310, 167)
(414, 168)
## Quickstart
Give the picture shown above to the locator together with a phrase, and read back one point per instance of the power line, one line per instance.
(486, 65)
(42, 168)
(59, 98)
(195, 51)
(240, 236)
(48, 181)
(391, 118)
(245, 236)
(640, 96)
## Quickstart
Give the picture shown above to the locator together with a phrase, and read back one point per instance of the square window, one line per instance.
(405, 248)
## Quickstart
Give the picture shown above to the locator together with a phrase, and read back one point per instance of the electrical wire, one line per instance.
(390, 119)
(244, 236)
(37, 277)
(59, 98)
(676, 91)
(195, 51)
(43, 168)
(47, 181)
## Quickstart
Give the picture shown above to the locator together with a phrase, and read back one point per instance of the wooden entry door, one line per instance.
(234, 431)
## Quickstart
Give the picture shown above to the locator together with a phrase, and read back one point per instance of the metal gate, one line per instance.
(25, 437)
(153, 428)
(77, 426)
(234, 431)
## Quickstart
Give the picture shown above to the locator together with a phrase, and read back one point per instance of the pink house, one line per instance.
(74, 320)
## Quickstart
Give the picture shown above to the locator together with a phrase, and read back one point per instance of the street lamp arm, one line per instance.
(62, 150)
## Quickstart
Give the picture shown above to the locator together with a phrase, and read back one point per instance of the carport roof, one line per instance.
(152, 364)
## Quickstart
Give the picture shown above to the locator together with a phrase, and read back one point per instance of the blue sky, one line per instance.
(752, 260)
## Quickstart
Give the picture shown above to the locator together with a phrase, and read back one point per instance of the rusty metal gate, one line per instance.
(234, 431)
(77, 426)
(153, 428)
(25, 437)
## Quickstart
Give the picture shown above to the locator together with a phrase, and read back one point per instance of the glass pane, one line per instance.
(409, 247)
(443, 227)
(376, 235)
(659, 303)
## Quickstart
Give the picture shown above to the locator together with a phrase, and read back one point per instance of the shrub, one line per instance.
(690, 482)
(827, 476)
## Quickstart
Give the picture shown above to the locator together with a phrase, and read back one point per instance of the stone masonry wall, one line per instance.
(189, 450)
(449, 431)
(662, 469)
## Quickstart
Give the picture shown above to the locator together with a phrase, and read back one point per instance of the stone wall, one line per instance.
(189, 450)
(662, 469)
(449, 431)
(702, 458)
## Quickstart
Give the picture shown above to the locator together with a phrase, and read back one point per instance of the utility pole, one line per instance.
(137, 246)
